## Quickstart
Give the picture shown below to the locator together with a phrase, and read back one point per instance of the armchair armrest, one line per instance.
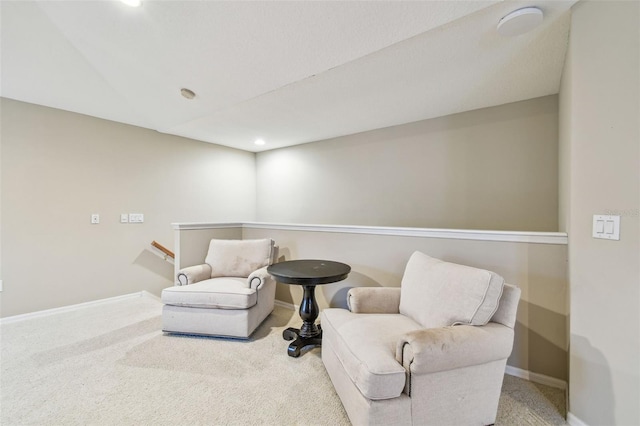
(193, 274)
(446, 348)
(258, 277)
(374, 300)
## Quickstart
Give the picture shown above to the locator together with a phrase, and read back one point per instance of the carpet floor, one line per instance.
(110, 364)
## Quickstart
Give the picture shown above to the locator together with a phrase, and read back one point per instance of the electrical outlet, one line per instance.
(124, 218)
(95, 218)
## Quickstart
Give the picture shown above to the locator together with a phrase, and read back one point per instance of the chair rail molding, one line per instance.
(456, 234)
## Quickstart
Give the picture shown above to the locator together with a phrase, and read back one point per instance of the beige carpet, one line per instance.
(111, 365)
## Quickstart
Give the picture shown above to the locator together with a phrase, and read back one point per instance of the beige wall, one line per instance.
(600, 168)
(59, 167)
(379, 260)
(494, 168)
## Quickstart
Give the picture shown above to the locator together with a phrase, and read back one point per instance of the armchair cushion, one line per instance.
(215, 293)
(439, 294)
(365, 344)
(238, 258)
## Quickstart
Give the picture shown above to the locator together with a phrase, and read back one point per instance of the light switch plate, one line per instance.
(124, 218)
(136, 218)
(606, 227)
(95, 218)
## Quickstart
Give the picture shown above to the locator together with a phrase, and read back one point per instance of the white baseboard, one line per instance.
(286, 305)
(70, 308)
(146, 293)
(574, 421)
(536, 377)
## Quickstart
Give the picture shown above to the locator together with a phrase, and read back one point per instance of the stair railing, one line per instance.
(166, 251)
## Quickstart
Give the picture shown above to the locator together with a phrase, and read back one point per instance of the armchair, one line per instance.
(228, 295)
(432, 352)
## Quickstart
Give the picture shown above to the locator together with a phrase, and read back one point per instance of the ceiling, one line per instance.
(283, 71)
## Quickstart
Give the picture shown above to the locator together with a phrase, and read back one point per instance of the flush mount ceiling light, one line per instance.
(186, 93)
(259, 142)
(520, 21)
(132, 3)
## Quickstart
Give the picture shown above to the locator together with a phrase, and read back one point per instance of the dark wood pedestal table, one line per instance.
(308, 274)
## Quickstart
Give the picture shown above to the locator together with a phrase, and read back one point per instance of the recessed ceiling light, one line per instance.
(259, 142)
(132, 3)
(186, 93)
(520, 21)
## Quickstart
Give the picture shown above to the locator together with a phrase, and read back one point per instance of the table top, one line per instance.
(309, 271)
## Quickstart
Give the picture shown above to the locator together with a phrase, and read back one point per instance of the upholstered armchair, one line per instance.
(432, 352)
(229, 295)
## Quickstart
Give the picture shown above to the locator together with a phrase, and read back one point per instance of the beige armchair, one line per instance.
(228, 295)
(432, 352)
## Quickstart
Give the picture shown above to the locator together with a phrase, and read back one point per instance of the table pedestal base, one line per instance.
(308, 274)
(303, 338)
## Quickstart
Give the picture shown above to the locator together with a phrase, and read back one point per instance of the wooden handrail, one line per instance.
(163, 249)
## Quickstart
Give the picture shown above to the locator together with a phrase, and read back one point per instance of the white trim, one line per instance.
(286, 305)
(69, 308)
(458, 234)
(203, 225)
(145, 293)
(574, 421)
(536, 377)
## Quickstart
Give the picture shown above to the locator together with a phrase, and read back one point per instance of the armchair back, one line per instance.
(506, 313)
(238, 258)
(435, 293)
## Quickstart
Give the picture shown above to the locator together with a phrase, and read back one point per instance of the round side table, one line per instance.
(308, 274)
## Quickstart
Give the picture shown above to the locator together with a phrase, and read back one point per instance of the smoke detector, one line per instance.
(520, 21)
